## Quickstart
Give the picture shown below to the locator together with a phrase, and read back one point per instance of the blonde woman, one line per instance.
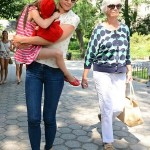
(45, 76)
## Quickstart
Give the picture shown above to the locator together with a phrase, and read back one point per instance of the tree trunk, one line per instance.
(135, 12)
(126, 13)
(81, 42)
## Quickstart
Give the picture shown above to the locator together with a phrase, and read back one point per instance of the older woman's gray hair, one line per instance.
(105, 3)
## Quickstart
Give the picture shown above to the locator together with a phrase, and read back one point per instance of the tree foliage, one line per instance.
(142, 25)
(88, 17)
(87, 14)
(11, 8)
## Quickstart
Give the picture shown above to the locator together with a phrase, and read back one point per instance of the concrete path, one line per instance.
(78, 125)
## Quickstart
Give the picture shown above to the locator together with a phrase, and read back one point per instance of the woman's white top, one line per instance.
(5, 46)
(67, 18)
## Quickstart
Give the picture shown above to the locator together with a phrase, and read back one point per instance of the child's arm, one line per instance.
(43, 23)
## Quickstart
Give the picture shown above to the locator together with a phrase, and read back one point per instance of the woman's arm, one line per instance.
(43, 23)
(36, 40)
(67, 31)
(11, 46)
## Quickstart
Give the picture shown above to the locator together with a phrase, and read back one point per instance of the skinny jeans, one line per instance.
(42, 79)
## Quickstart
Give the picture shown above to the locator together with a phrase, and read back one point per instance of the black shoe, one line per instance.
(99, 117)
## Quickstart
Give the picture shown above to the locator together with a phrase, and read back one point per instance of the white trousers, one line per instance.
(111, 93)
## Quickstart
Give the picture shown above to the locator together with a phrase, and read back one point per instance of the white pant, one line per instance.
(111, 93)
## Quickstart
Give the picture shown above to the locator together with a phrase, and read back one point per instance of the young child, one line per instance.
(28, 21)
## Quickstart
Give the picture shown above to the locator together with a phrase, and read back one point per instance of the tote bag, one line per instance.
(131, 114)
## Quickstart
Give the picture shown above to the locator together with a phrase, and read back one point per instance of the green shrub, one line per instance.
(140, 46)
(76, 54)
(74, 45)
(74, 48)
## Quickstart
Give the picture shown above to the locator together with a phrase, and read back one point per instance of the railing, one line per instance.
(141, 70)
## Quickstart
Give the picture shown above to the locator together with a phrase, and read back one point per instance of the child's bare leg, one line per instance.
(46, 53)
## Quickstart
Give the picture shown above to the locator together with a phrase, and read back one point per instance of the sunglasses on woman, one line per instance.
(112, 6)
(72, 1)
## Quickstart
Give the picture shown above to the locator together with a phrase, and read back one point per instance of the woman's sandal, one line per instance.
(4, 81)
(1, 82)
(76, 82)
(18, 82)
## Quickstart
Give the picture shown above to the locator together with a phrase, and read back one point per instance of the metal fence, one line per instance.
(141, 70)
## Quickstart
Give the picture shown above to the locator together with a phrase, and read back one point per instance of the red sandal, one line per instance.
(76, 82)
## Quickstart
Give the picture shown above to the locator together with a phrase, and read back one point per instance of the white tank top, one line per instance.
(4, 46)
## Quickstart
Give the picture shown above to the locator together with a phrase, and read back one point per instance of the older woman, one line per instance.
(109, 52)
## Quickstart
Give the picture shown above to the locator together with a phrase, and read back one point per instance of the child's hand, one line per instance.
(56, 15)
(36, 28)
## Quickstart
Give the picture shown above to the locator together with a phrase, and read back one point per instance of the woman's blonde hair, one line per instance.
(105, 3)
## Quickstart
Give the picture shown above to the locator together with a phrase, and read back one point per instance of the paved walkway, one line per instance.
(78, 125)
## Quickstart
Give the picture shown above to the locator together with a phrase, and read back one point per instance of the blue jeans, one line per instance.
(39, 76)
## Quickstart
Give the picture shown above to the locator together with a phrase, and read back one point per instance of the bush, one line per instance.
(76, 54)
(140, 46)
(142, 25)
(74, 45)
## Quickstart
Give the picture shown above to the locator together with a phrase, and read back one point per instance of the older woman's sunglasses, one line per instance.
(112, 6)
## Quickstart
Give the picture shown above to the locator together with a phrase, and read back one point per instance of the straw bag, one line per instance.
(131, 114)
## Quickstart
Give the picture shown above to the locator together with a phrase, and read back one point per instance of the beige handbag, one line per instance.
(131, 114)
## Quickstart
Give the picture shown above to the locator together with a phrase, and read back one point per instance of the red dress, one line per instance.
(54, 31)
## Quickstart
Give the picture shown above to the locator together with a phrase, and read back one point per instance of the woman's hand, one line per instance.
(17, 42)
(17, 39)
(129, 77)
(129, 74)
(84, 83)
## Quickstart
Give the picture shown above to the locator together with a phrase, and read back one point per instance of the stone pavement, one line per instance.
(78, 125)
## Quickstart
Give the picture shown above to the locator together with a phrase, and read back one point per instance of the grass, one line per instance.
(142, 74)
